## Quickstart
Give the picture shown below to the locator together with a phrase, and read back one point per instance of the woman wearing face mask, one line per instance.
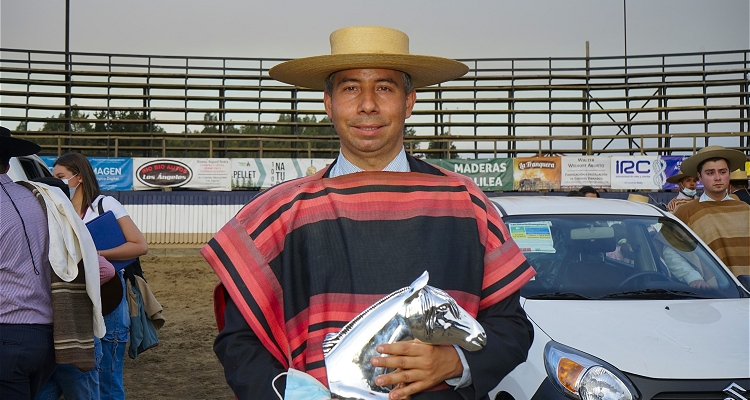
(86, 196)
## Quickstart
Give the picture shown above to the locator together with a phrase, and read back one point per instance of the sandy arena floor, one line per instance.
(183, 366)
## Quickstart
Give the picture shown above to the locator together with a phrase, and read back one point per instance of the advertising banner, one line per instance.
(111, 173)
(489, 174)
(188, 173)
(254, 173)
(536, 173)
(585, 171)
(638, 172)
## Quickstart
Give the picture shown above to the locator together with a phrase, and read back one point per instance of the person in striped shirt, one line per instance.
(27, 356)
(305, 257)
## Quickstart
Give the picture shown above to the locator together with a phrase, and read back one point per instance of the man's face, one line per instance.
(689, 183)
(715, 177)
(368, 108)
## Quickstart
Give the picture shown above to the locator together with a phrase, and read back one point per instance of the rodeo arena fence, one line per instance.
(208, 133)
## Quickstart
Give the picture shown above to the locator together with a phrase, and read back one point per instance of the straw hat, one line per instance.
(678, 177)
(368, 47)
(637, 198)
(735, 158)
(738, 175)
(13, 147)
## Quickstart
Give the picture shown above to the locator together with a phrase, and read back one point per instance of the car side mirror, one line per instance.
(745, 281)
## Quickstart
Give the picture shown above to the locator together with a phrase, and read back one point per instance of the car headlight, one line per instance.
(581, 376)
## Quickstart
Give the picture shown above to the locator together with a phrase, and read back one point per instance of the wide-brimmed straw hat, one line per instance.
(738, 175)
(678, 177)
(14, 147)
(735, 158)
(359, 47)
(637, 198)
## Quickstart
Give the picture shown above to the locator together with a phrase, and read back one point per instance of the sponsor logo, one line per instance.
(736, 391)
(629, 167)
(164, 173)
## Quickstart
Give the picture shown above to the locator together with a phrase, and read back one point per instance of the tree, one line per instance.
(442, 145)
(120, 121)
(215, 128)
(58, 124)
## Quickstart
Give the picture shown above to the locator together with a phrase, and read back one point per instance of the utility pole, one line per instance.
(68, 114)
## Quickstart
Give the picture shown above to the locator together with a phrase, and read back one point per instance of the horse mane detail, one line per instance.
(332, 339)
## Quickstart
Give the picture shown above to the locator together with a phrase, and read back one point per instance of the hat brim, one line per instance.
(311, 72)
(677, 178)
(735, 158)
(14, 147)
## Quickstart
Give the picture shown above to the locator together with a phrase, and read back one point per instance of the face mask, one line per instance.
(689, 192)
(301, 386)
(72, 189)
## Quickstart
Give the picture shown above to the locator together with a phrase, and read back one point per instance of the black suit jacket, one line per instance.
(743, 194)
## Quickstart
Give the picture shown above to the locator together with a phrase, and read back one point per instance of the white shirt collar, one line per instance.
(343, 166)
(705, 197)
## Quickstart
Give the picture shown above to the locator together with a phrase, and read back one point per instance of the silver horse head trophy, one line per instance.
(415, 312)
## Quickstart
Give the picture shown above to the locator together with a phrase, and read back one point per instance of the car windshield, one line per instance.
(616, 257)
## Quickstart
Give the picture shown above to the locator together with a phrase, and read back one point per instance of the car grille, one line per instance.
(690, 389)
(690, 396)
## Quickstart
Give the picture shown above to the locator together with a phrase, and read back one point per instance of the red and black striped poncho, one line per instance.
(305, 257)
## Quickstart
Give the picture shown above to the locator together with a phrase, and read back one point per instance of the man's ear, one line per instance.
(327, 104)
(411, 98)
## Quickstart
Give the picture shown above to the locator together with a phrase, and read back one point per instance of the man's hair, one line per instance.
(700, 165)
(77, 164)
(408, 86)
(4, 162)
(739, 183)
(589, 189)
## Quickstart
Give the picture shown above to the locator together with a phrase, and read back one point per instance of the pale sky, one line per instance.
(451, 28)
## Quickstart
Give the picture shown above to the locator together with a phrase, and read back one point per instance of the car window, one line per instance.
(33, 167)
(589, 256)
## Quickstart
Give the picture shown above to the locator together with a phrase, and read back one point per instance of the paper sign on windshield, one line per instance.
(532, 237)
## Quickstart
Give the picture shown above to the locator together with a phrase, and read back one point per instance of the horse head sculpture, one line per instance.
(416, 312)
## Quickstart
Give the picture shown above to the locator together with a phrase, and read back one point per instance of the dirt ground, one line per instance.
(183, 366)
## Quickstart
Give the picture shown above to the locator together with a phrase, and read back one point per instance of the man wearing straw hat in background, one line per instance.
(687, 184)
(720, 220)
(305, 257)
(738, 185)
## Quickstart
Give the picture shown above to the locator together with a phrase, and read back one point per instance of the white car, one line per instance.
(615, 316)
(27, 168)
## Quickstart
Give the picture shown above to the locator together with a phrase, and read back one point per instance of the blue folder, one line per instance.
(107, 234)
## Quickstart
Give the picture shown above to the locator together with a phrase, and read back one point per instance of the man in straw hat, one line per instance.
(738, 185)
(720, 220)
(307, 256)
(687, 185)
(27, 355)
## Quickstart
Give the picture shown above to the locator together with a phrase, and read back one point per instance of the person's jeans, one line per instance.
(67, 380)
(27, 359)
(114, 344)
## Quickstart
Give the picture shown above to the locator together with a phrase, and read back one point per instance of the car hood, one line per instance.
(670, 339)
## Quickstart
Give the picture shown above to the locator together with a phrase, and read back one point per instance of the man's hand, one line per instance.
(418, 365)
(699, 284)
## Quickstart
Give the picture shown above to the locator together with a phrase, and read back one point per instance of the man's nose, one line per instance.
(368, 102)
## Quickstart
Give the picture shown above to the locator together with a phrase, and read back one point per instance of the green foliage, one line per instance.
(124, 121)
(58, 124)
(444, 146)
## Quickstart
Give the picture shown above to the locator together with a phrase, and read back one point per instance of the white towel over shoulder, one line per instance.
(69, 242)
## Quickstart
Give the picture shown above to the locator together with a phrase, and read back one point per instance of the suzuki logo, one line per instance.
(733, 390)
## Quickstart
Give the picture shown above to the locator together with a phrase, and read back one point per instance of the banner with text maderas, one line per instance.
(489, 174)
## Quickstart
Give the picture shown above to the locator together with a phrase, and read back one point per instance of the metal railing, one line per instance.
(140, 105)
